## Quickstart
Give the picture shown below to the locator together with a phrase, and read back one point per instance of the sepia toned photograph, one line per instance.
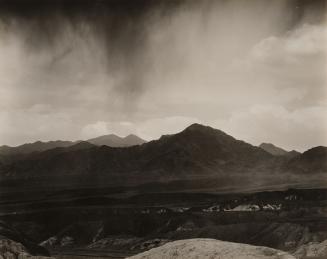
(163, 129)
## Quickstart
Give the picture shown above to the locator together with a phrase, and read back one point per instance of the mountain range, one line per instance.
(111, 140)
(198, 158)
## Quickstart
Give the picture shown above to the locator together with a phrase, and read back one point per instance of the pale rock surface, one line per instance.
(312, 250)
(211, 249)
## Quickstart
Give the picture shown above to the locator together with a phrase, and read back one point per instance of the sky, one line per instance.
(74, 70)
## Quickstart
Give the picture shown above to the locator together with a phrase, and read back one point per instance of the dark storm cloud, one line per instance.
(119, 26)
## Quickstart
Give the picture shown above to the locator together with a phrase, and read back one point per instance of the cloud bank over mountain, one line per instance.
(256, 70)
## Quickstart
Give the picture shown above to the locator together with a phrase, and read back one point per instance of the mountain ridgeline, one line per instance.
(111, 140)
(199, 158)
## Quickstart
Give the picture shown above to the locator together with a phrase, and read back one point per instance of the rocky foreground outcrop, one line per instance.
(211, 248)
(14, 245)
(10, 249)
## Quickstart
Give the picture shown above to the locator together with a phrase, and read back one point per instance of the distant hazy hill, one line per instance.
(199, 157)
(34, 147)
(39, 146)
(277, 151)
(112, 140)
(272, 149)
